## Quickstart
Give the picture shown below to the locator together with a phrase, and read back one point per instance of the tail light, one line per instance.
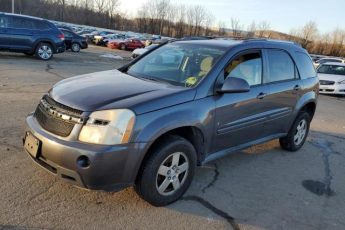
(61, 36)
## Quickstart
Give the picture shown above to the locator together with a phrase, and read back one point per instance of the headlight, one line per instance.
(108, 127)
(342, 82)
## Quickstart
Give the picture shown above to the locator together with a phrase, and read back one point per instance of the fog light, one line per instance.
(83, 161)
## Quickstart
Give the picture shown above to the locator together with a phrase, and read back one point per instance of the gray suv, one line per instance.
(178, 106)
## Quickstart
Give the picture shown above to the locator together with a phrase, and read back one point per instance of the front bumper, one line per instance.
(338, 89)
(111, 167)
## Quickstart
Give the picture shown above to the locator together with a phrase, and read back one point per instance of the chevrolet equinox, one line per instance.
(178, 106)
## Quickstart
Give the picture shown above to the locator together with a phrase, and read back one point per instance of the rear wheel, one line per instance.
(297, 134)
(168, 172)
(44, 51)
(75, 47)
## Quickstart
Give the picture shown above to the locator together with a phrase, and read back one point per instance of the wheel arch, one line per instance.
(50, 42)
(192, 134)
(307, 103)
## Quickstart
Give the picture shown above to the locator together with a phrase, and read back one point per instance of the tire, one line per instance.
(44, 51)
(153, 184)
(75, 47)
(123, 47)
(295, 138)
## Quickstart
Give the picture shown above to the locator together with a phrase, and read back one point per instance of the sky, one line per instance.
(281, 15)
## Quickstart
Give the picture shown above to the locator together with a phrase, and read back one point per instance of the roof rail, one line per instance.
(270, 40)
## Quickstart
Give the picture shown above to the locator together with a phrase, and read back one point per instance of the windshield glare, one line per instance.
(177, 63)
(332, 69)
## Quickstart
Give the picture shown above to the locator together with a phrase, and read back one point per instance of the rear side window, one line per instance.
(41, 25)
(67, 33)
(21, 23)
(305, 66)
(3, 21)
(280, 66)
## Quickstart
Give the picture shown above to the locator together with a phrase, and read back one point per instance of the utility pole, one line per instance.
(12, 6)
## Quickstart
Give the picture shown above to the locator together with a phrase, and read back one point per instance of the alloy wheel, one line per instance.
(45, 52)
(301, 131)
(172, 173)
(75, 47)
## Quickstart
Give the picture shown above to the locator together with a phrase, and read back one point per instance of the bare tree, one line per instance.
(100, 5)
(236, 27)
(112, 9)
(162, 7)
(209, 20)
(171, 20)
(263, 29)
(221, 28)
(181, 20)
(251, 30)
(337, 43)
(199, 18)
(309, 33)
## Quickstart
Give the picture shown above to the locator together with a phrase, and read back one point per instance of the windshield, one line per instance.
(332, 69)
(177, 63)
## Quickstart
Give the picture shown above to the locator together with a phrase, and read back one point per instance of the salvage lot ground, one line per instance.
(262, 187)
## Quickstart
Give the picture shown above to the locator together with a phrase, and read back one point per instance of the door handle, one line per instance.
(261, 95)
(297, 87)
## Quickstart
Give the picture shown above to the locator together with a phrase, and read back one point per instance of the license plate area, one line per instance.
(31, 144)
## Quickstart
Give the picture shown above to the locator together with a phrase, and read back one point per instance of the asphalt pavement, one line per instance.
(263, 187)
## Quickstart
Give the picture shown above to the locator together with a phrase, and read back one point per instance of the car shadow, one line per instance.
(266, 187)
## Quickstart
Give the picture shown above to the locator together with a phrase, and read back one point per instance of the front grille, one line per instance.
(324, 82)
(62, 107)
(57, 118)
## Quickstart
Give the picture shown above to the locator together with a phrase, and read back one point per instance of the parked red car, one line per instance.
(128, 44)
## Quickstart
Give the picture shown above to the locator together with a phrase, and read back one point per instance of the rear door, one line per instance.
(5, 37)
(22, 33)
(240, 117)
(285, 90)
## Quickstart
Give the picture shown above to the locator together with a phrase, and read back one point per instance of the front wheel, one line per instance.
(168, 172)
(44, 51)
(75, 47)
(297, 134)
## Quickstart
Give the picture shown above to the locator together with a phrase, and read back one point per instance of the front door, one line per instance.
(240, 117)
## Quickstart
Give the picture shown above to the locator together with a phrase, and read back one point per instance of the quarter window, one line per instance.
(3, 22)
(306, 67)
(280, 66)
(246, 66)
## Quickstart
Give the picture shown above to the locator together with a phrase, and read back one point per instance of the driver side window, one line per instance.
(246, 66)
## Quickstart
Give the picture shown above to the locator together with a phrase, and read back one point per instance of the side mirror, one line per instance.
(234, 85)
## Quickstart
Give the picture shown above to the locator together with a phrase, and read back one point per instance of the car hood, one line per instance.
(331, 77)
(113, 90)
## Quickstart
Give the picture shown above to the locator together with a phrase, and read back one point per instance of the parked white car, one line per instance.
(137, 52)
(332, 78)
(325, 60)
